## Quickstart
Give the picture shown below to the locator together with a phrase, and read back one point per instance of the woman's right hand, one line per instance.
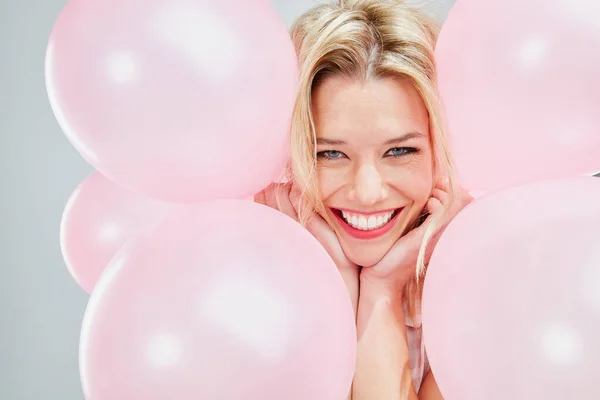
(285, 197)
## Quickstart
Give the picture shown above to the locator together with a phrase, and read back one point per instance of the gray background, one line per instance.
(41, 307)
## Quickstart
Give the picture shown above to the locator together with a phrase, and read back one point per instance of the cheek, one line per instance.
(330, 180)
(414, 182)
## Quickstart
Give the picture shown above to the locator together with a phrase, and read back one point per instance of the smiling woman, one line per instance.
(371, 177)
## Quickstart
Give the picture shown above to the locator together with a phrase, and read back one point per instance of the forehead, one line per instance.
(376, 109)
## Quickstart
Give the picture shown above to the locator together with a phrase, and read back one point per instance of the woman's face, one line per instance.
(375, 167)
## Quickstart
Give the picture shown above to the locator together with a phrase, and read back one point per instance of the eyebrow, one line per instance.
(396, 140)
(405, 137)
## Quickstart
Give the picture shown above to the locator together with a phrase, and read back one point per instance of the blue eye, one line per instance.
(330, 154)
(400, 151)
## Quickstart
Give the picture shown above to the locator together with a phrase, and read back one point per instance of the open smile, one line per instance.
(367, 225)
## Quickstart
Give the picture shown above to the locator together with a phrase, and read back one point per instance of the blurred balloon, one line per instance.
(99, 218)
(520, 86)
(180, 100)
(224, 300)
(511, 306)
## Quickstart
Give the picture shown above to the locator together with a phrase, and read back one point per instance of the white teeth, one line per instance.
(362, 222)
(372, 222)
(367, 222)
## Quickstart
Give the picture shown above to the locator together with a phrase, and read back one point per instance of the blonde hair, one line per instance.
(365, 39)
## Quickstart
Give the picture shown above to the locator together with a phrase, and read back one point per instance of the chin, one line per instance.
(366, 255)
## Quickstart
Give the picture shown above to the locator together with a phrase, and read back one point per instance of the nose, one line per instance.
(368, 188)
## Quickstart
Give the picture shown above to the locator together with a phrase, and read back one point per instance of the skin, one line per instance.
(374, 154)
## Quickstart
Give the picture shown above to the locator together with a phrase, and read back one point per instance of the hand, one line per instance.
(398, 266)
(285, 197)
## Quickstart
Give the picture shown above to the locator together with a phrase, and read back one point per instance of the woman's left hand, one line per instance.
(398, 266)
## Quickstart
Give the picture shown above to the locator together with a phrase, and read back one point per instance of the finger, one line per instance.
(453, 205)
(460, 195)
(443, 184)
(433, 206)
(465, 196)
(442, 196)
(442, 211)
(284, 202)
(440, 222)
(269, 196)
(296, 198)
(436, 215)
(278, 197)
(260, 198)
(446, 216)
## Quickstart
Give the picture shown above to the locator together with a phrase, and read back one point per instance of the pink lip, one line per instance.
(365, 235)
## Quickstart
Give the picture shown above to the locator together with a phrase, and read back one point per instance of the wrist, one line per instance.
(376, 300)
(376, 286)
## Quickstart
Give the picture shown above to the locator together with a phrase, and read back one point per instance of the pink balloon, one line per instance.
(225, 300)
(511, 306)
(520, 85)
(99, 218)
(181, 100)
